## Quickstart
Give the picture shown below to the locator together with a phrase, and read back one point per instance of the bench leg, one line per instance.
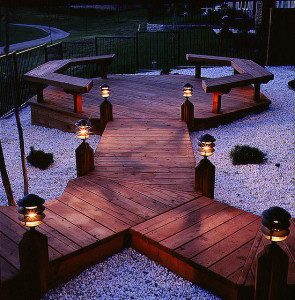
(256, 92)
(216, 103)
(77, 103)
(103, 71)
(40, 97)
(198, 71)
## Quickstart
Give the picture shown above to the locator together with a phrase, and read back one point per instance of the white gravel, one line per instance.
(130, 275)
(48, 183)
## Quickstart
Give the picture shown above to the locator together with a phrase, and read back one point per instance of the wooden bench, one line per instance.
(50, 73)
(246, 72)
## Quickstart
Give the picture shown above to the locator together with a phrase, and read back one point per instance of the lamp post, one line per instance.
(187, 108)
(84, 153)
(205, 170)
(33, 248)
(106, 108)
(272, 261)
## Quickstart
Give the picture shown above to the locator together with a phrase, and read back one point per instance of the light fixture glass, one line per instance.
(206, 145)
(275, 224)
(31, 209)
(83, 129)
(187, 90)
(105, 90)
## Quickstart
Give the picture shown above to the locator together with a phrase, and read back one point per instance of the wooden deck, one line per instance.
(141, 194)
(145, 97)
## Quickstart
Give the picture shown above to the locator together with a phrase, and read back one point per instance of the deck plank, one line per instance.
(143, 188)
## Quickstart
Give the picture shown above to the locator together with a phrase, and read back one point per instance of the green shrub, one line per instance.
(244, 154)
(292, 84)
(40, 159)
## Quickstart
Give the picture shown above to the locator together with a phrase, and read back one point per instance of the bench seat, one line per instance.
(248, 71)
(224, 84)
(259, 73)
(197, 59)
(50, 73)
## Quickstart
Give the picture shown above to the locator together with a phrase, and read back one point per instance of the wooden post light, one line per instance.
(33, 248)
(106, 108)
(187, 108)
(272, 261)
(205, 170)
(84, 153)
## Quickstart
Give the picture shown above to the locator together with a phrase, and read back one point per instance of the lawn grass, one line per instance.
(82, 27)
(18, 34)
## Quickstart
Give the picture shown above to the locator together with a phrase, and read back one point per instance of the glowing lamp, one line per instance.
(31, 210)
(83, 129)
(187, 90)
(105, 91)
(275, 224)
(206, 145)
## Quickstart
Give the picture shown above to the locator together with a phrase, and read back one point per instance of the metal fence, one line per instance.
(141, 51)
(11, 84)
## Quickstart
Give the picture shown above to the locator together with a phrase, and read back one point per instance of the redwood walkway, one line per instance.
(141, 194)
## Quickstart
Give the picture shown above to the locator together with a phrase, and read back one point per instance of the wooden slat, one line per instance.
(98, 215)
(76, 188)
(232, 262)
(79, 219)
(200, 228)
(185, 221)
(216, 235)
(225, 247)
(172, 215)
(7, 270)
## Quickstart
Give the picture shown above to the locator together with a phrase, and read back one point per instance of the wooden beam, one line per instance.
(187, 114)
(34, 263)
(205, 178)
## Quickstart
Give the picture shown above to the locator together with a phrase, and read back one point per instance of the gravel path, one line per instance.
(130, 275)
(54, 34)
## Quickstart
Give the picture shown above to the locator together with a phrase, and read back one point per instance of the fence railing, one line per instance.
(166, 49)
(12, 84)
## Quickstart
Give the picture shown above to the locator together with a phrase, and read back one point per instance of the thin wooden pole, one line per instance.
(5, 179)
(15, 97)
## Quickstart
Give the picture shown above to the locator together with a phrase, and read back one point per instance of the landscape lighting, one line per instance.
(105, 91)
(31, 210)
(275, 224)
(206, 145)
(187, 90)
(83, 129)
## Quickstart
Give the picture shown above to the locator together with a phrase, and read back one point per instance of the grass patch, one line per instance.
(244, 154)
(19, 34)
(81, 26)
